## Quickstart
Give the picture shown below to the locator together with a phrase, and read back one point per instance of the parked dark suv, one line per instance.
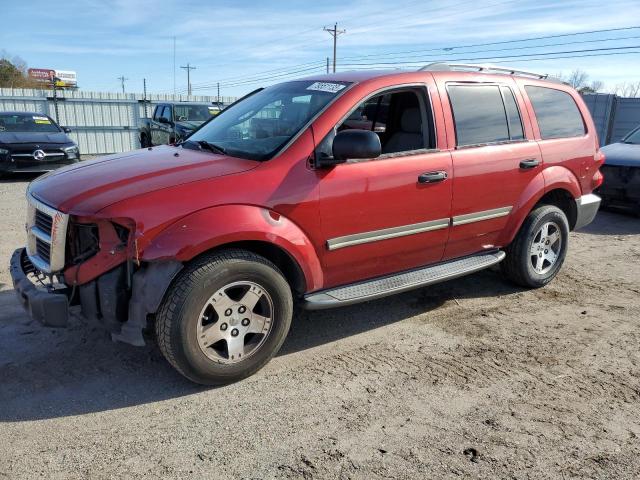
(33, 142)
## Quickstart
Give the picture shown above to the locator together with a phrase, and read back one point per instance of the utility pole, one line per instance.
(218, 99)
(144, 99)
(188, 68)
(334, 32)
(327, 65)
(122, 80)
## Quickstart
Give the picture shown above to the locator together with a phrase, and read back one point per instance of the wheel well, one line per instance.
(564, 201)
(280, 257)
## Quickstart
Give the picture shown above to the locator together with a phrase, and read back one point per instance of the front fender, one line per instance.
(212, 227)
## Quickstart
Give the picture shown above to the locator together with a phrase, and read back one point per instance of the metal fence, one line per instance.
(614, 116)
(100, 122)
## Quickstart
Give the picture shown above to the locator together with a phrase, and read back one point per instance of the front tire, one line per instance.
(537, 253)
(224, 317)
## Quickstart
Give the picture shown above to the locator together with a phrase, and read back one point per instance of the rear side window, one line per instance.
(513, 115)
(479, 114)
(557, 113)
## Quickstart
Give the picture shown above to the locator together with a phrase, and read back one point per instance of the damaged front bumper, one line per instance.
(121, 300)
(47, 306)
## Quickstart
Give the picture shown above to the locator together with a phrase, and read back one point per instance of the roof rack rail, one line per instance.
(434, 67)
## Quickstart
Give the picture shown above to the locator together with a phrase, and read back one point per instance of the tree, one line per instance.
(627, 89)
(579, 79)
(13, 73)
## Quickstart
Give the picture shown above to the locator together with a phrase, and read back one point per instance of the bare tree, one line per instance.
(627, 89)
(579, 79)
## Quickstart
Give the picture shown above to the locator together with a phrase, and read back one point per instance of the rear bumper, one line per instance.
(587, 208)
(49, 308)
(621, 185)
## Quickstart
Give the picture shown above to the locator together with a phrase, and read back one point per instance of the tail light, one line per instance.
(598, 178)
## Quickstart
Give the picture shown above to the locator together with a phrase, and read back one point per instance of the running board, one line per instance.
(391, 284)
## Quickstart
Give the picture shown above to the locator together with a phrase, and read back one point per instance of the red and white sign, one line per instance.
(42, 74)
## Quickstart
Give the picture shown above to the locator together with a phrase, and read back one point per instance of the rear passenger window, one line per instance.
(513, 114)
(479, 114)
(557, 113)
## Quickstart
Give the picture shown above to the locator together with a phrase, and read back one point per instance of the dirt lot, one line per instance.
(473, 378)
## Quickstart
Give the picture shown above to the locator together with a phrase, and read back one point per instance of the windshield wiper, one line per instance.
(212, 147)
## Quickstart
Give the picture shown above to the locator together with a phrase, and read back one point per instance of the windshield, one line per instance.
(21, 122)
(192, 113)
(259, 126)
(633, 137)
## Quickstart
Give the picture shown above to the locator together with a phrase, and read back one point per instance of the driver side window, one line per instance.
(167, 113)
(400, 118)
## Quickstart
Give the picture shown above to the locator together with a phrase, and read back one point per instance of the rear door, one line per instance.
(377, 216)
(495, 158)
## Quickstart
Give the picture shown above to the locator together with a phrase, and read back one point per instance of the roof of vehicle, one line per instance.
(8, 112)
(359, 76)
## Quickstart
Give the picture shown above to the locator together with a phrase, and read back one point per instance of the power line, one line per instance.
(334, 32)
(499, 57)
(264, 72)
(503, 42)
(188, 68)
(507, 49)
(317, 66)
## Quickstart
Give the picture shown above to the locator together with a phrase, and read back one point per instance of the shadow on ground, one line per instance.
(50, 373)
(18, 177)
(614, 222)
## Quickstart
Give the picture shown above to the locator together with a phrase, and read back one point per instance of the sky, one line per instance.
(246, 44)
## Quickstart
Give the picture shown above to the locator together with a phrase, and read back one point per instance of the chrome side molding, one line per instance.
(386, 233)
(479, 216)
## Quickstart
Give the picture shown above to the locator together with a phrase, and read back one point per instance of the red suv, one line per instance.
(288, 195)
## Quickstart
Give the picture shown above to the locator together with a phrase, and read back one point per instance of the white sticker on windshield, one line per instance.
(326, 87)
(35, 117)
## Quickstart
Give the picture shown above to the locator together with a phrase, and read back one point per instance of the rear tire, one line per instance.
(224, 317)
(144, 143)
(537, 253)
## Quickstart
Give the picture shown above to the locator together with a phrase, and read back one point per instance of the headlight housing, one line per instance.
(72, 151)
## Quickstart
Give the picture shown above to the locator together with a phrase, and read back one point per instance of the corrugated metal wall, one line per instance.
(614, 116)
(627, 117)
(100, 122)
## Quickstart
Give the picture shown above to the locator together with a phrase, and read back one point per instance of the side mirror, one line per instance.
(164, 120)
(356, 144)
(66, 129)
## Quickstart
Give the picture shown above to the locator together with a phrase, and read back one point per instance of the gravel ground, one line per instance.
(472, 378)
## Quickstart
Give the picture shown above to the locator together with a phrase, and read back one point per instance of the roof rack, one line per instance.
(435, 67)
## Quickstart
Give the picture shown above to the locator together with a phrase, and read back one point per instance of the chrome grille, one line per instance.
(44, 250)
(43, 221)
(46, 236)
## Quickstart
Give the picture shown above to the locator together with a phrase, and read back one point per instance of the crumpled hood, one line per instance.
(622, 154)
(89, 186)
(33, 137)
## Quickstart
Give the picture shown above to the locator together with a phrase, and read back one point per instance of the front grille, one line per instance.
(46, 236)
(44, 250)
(43, 221)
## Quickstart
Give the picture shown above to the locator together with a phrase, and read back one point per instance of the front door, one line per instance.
(385, 215)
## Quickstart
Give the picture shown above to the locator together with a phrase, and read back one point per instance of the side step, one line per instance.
(391, 284)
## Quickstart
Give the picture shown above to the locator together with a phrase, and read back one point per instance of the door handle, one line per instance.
(432, 177)
(529, 163)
